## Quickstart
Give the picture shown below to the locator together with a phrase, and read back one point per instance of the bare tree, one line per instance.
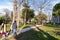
(42, 5)
(16, 11)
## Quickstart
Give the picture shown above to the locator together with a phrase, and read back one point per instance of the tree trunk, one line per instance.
(4, 27)
(25, 19)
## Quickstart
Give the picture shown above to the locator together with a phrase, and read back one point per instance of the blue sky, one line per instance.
(5, 4)
(8, 4)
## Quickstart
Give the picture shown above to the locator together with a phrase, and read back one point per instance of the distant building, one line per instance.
(55, 19)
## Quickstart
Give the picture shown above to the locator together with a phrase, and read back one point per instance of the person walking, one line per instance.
(14, 27)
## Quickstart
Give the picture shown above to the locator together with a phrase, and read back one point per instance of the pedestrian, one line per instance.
(14, 27)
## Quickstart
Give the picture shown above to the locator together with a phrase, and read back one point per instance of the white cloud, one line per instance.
(8, 6)
(3, 7)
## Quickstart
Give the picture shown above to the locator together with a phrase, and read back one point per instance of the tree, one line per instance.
(6, 16)
(56, 11)
(42, 5)
(27, 13)
(11, 16)
(41, 18)
(1, 20)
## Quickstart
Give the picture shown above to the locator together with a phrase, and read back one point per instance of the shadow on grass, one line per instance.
(49, 37)
(35, 35)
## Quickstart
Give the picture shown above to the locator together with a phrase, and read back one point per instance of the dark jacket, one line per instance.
(14, 26)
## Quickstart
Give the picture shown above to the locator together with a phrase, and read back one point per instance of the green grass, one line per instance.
(52, 25)
(53, 30)
(8, 27)
(48, 33)
(25, 26)
(35, 35)
(20, 26)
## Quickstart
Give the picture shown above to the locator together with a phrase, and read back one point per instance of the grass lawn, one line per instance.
(21, 26)
(53, 30)
(35, 35)
(50, 32)
(8, 27)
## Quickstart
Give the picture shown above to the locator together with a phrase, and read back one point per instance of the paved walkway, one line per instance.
(27, 29)
(24, 30)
